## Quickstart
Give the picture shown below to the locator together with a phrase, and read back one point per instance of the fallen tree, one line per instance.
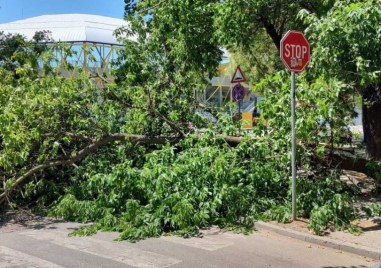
(76, 157)
(91, 148)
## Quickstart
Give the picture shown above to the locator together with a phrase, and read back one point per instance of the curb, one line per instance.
(322, 241)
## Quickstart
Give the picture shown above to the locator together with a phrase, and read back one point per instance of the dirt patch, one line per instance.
(300, 225)
(368, 225)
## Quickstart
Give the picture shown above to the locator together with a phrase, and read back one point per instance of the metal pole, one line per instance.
(293, 153)
(220, 97)
(239, 115)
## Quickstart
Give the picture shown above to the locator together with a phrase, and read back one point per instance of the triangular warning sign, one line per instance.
(238, 76)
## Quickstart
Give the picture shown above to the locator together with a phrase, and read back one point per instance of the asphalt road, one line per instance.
(49, 246)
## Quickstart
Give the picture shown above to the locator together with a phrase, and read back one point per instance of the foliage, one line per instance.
(376, 209)
(261, 58)
(16, 52)
(175, 53)
(373, 170)
(346, 42)
(197, 187)
(241, 22)
(321, 114)
(337, 214)
(48, 119)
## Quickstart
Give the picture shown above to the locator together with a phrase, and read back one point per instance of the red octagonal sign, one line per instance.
(295, 51)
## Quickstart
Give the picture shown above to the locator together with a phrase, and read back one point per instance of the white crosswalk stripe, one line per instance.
(13, 258)
(109, 250)
(206, 243)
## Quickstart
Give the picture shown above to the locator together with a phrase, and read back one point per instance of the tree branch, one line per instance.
(272, 32)
(92, 147)
(170, 123)
(74, 136)
(156, 112)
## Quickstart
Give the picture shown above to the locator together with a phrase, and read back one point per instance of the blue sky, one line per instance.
(11, 10)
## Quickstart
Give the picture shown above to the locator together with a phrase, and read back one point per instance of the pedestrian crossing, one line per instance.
(10, 258)
(106, 249)
(121, 252)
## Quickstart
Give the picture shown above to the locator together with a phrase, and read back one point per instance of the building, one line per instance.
(89, 40)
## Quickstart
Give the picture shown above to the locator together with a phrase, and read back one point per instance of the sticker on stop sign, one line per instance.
(295, 51)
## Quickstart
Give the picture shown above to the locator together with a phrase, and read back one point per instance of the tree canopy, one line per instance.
(240, 22)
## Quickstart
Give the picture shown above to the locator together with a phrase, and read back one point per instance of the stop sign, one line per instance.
(295, 51)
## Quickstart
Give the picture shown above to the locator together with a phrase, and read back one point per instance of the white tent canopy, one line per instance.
(69, 28)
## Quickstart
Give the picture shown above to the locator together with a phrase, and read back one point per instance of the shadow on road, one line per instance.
(13, 219)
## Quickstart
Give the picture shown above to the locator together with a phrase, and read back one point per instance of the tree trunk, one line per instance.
(371, 120)
(275, 36)
(271, 31)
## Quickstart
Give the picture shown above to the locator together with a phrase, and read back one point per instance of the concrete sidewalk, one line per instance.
(367, 244)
